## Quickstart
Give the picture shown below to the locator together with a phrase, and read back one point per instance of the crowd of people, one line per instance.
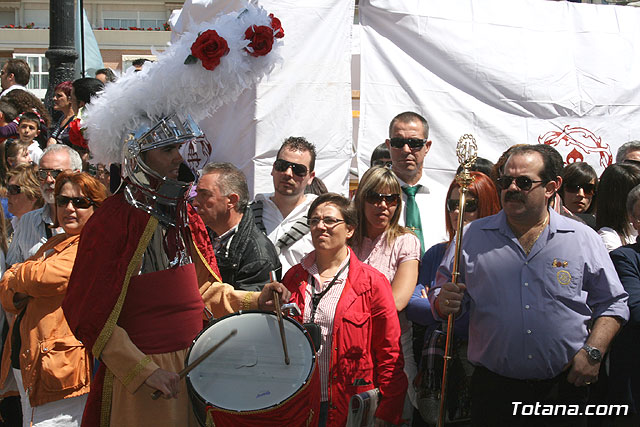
(544, 301)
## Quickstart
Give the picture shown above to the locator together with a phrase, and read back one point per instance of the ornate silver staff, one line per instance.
(467, 152)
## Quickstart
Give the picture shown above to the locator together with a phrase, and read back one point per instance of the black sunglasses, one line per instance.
(589, 189)
(524, 183)
(413, 143)
(13, 189)
(77, 202)
(377, 198)
(282, 165)
(43, 173)
(470, 205)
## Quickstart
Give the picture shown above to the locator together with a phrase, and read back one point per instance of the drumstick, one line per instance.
(156, 394)
(276, 302)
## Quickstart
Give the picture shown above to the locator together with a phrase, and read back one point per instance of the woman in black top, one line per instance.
(62, 103)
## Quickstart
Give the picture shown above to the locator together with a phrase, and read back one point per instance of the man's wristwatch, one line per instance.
(593, 353)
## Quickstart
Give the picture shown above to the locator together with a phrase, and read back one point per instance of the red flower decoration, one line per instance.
(75, 134)
(276, 25)
(209, 47)
(261, 38)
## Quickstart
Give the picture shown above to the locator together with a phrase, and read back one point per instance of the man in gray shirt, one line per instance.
(33, 230)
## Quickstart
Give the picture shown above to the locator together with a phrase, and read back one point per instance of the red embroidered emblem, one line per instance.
(578, 144)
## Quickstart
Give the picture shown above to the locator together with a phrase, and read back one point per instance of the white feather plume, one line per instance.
(168, 85)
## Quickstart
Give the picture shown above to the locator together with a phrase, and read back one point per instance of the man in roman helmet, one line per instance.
(146, 278)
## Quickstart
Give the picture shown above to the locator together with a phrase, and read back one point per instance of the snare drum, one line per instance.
(246, 382)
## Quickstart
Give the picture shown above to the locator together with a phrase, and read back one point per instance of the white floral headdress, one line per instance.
(208, 66)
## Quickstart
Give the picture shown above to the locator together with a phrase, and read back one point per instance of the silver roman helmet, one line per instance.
(148, 190)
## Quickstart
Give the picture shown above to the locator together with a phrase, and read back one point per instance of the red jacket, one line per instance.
(366, 306)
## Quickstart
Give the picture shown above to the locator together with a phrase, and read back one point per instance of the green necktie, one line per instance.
(412, 215)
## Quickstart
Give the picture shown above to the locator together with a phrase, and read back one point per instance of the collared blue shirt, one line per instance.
(529, 313)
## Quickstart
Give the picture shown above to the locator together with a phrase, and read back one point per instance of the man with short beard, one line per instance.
(33, 230)
(282, 215)
(543, 297)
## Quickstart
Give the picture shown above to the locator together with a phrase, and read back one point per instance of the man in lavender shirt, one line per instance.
(543, 297)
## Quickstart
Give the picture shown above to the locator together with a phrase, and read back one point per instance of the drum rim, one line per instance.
(305, 383)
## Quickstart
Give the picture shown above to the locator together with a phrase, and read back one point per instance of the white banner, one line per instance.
(507, 71)
(309, 95)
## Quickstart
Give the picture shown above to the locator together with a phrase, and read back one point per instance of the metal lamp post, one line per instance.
(61, 53)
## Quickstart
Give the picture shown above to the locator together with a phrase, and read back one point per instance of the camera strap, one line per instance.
(315, 298)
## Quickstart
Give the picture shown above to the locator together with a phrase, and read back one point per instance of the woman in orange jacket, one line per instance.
(52, 368)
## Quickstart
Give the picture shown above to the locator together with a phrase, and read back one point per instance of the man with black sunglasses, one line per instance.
(542, 294)
(629, 152)
(33, 230)
(408, 144)
(282, 215)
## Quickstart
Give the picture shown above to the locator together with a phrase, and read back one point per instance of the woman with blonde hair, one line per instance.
(23, 191)
(393, 250)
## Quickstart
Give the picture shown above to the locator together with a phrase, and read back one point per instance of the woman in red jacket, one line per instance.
(348, 300)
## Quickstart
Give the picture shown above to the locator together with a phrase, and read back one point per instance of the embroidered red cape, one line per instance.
(107, 245)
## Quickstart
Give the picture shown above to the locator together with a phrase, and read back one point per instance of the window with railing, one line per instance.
(121, 19)
(120, 23)
(152, 23)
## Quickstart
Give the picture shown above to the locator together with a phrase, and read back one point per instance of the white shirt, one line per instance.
(30, 234)
(35, 152)
(612, 239)
(10, 88)
(431, 203)
(276, 225)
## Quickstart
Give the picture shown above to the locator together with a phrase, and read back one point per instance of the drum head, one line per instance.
(248, 372)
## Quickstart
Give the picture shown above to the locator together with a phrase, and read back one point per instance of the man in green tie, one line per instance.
(423, 204)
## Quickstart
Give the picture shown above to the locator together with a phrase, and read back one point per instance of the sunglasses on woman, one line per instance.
(413, 143)
(470, 205)
(589, 189)
(13, 189)
(377, 198)
(77, 202)
(522, 182)
(282, 165)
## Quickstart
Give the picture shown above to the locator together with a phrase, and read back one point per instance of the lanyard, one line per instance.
(315, 298)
